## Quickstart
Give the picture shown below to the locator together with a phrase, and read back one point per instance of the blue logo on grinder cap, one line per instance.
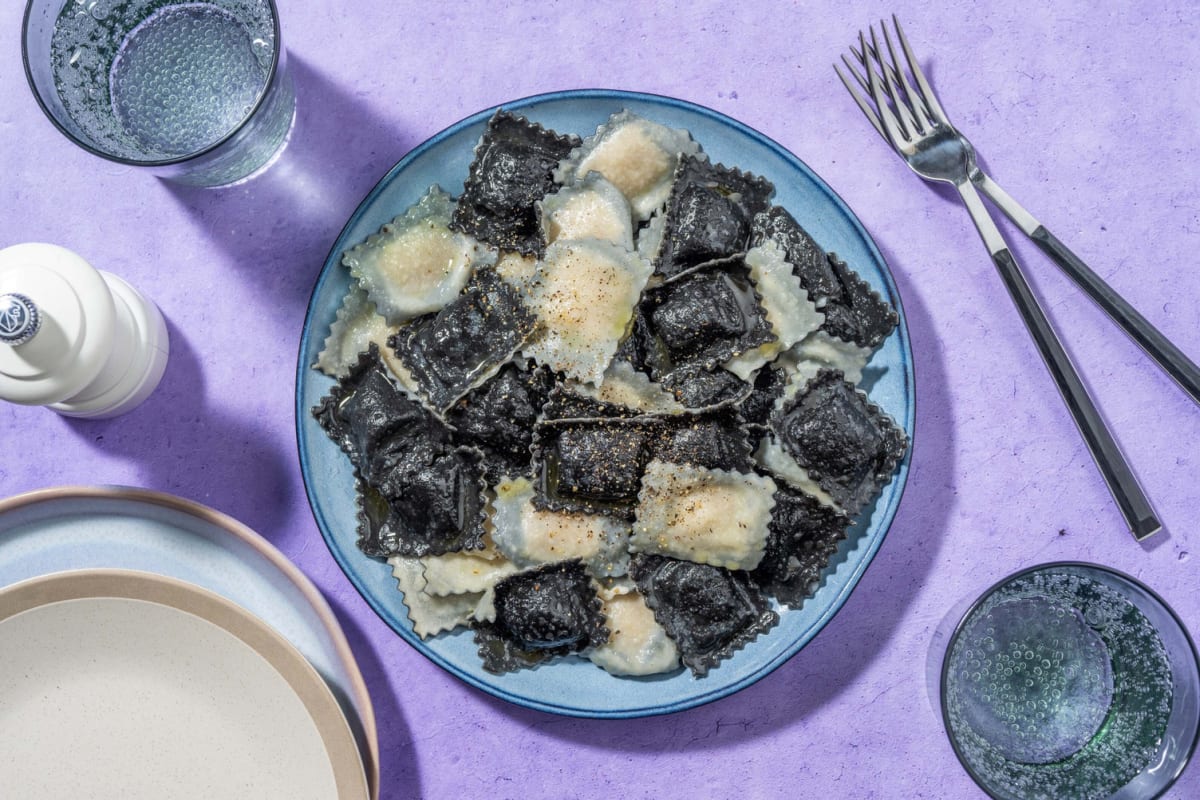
(19, 319)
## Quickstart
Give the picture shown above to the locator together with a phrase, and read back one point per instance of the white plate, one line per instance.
(72, 528)
(121, 684)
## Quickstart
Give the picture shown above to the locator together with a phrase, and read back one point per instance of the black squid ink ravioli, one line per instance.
(621, 421)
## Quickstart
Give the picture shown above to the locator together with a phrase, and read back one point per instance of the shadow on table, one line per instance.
(834, 659)
(278, 226)
(186, 446)
(400, 773)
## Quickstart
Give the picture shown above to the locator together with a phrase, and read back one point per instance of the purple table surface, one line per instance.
(1085, 112)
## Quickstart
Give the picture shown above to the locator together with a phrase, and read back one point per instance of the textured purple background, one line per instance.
(1087, 115)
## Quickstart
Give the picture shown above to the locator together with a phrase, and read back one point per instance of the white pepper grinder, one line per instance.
(81, 341)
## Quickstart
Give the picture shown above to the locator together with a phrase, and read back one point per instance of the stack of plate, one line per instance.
(151, 647)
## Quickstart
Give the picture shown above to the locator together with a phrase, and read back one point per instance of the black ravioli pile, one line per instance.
(425, 463)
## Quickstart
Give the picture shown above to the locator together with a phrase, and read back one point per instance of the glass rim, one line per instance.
(988, 592)
(272, 77)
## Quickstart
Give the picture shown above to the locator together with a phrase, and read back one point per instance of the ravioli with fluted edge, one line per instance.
(603, 403)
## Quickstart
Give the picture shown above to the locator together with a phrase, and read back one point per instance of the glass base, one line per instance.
(1070, 680)
(195, 92)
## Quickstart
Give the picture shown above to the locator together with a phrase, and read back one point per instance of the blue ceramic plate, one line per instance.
(575, 686)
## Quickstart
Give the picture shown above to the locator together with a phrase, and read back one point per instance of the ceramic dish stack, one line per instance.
(172, 652)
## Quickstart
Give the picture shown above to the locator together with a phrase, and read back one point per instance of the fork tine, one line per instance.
(856, 72)
(915, 97)
(906, 118)
(885, 114)
(930, 99)
(889, 77)
(917, 107)
(872, 117)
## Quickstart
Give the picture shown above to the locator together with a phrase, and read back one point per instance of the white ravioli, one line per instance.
(710, 516)
(818, 350)
(485, 611)
(584, 296)
(355, 329)
(403, 377)
(637, 644)
(638, 156)
(517, 270)
(415, 264)
(772, 456)
(357, 325)
(591, 208)
(650, 238)
(471, 572)
(791, 314)
(627, 386)
(529, 536)
(430, 615)
(609, 588)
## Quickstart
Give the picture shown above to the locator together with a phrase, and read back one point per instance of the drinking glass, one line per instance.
(1069, 680)
(195, 92)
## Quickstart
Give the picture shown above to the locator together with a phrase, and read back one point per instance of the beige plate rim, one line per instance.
(302, 678)
(242, 532)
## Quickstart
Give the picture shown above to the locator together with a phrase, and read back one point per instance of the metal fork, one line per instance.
(918, 128)
(1169, 357)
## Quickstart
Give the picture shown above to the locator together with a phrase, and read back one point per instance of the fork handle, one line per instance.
(1159, 347)
(1122, 483)
(1172, 360)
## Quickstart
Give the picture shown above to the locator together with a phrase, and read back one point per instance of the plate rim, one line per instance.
(346, 761)
(909, 423)
(240, 531)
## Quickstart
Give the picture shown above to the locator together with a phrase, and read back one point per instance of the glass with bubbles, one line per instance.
(1069, 680)
(195, 92)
